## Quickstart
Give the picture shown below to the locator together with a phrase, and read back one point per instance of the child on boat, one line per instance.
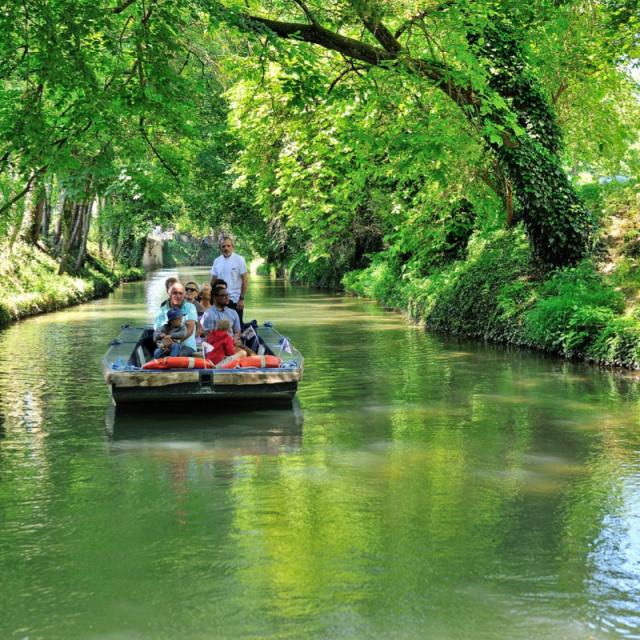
(223, 345)
(173, 329)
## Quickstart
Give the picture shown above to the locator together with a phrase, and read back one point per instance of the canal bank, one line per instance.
(499, 293)
(33, 284)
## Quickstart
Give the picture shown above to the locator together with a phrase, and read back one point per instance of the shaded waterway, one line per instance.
(420, 486)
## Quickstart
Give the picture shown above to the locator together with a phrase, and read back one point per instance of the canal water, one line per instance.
(419, 487)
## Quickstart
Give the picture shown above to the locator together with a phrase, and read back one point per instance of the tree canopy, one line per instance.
(328, 131)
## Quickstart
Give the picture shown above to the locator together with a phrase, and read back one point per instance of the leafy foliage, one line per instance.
(482, 296)
(572, 308)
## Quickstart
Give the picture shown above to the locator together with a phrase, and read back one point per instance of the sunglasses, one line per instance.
(222, 295)
(190, 289)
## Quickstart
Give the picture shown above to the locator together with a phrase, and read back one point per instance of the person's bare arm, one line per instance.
(243, 290)
(167, 340)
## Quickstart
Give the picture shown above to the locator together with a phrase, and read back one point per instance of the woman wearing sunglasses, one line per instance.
(191, 292)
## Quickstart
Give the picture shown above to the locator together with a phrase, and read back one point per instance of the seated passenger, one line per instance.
(177, 301)
(168, 283)
(175, 330)
(220, 310)
(207, 300)
(217, 284)
(205, 296)
(191, 293)
(223, 346)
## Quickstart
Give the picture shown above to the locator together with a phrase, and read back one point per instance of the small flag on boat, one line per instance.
(250, 338)
(206, 347)
(285, 345)
(249, 333)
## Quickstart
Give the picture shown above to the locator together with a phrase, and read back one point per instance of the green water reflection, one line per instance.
(418, 487)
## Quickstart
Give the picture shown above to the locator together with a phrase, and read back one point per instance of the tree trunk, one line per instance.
(60, 212)
(559, 226)
(66, 230)
(82, 252)
(21, 212)
(115, 244)
(46, 219)
(78, 212)
(99, 207)
(34, 227)
(508, 201)
(46, 213)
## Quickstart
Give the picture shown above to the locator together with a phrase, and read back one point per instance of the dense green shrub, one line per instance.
(618, 343)
(484, 295)
(434, 238)
(481, 296)
(573, 306)
(380, 281)
(5, 313)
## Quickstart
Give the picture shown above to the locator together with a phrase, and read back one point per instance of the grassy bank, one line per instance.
(33, 285)
(590, 311)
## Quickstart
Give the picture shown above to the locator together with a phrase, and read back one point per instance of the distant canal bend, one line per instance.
(419, 487)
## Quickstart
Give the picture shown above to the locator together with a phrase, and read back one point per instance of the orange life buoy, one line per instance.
(259, 362)
(178, 362)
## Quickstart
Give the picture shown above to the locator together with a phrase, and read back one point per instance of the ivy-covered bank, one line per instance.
(33, 284)
(497, 292)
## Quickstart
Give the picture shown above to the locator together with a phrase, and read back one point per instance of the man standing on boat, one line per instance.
(231, 268)
(190, 317)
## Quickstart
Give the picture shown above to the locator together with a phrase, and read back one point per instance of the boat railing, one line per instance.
(280, 346)
(121, 348)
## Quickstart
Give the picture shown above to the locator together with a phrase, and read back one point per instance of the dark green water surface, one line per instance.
(419, 487)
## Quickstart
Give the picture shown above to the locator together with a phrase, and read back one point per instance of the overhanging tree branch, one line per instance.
(307, 12)
(5, 207)
(410, 22)
(557, 222)
(123, 6)
(156, 153)
(316, 34)
(351, 69)
(438, 73)
(374, 24)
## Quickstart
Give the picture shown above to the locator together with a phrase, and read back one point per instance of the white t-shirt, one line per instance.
(230, 270)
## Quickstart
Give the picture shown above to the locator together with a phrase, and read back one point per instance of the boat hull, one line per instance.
(193, 392)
